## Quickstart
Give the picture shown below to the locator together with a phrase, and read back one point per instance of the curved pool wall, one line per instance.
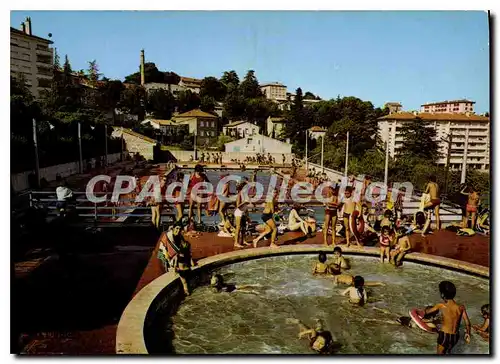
(137, 331)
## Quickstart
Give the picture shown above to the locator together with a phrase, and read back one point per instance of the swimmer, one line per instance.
(320, 340)
(321, 267)
(431, 320)
(484, 331)
(452, 313)
(357, 292)
(340, 278)
(385, 241)
(338, 258)
(218, 285)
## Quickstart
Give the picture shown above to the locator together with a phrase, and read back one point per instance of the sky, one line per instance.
(408, 57)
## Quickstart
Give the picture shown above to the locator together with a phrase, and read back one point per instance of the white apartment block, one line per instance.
(454, 106)
(31, 56)
(274, 91)
(470, 134)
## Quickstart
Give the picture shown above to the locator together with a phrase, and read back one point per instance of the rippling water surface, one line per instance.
(234, 323)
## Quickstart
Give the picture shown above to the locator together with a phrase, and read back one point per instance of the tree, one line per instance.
(231, 80)
(57, 63)
(171, 78)
(93, 72)
(250, 86)
(207, 104)
(309, 96)
(213, 88)
(110, 94)
(151, 74)
(187, 100)
(132, 101)
(234, 105)
(161, 104)
(419, 141)
(67, 67)
(222, 140)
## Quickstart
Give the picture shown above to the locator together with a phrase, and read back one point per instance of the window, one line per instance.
(249, 141)
(213, 124)
(202, 123)
(201, 133)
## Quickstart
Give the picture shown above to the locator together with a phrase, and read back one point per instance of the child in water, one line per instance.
(340, 278)
(431, 319)
(321, 267)
(484, 331)
(357, 292)
(338, 258)
(320, 340)
(218, 285)
(385, 240)
(452, 314)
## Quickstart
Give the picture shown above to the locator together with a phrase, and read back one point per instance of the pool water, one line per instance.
(244, 323)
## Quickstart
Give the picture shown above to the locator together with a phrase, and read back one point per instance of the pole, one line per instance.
(307, 162)
(121, 138)
(346, 154)
(386, 168)
(464, 162)
(106, 144)
(37, 165)
(322, 152)
(195, 156)
(80, 146)
(448, 156)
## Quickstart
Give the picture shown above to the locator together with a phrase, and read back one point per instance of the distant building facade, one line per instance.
(201, 123)
(275, 127)
(274, 91)
(259, 144)
(32, 57)
(393, 107)
(454, 106)
(240, 129)
(469, 131)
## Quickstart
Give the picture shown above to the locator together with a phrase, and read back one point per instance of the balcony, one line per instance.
(44, 59)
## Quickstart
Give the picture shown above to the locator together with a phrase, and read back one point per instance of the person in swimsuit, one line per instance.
(320, 340)
(184, 264)
(321, 267)
(385, 240)
(387, 220)
(471, 208)
(268, 219)
(295, 222)
(331, 208)
(452, 313)
(357, 292)
(342, 278)
(431, 320)
(432, 189)
(170, 246)
(222, 203)
(218, 285)
(402, 247)
(197, 177)
(484, 330)
(348, 206)
(239, 215)
(338, 259)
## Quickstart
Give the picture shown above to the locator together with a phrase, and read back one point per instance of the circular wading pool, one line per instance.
(244, 323)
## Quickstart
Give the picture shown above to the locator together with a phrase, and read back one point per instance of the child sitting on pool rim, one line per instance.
(184, 261)
(484, 331)
(218, 285)
(320, 340)
(452, 314)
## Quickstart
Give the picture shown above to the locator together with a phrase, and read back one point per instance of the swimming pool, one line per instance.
(241, 323)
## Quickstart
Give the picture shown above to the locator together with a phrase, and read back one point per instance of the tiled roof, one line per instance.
(392, 104)
(20, 32)
(143, 137)
(435, 116)
(272, 84)
(277, 120)
(235, 123)
(195, 81)
(196, 113)
(448, 102)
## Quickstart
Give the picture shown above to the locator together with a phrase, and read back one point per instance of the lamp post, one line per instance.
(307, 164)
(448, 155)
(464, 162)
(322, 152)
(386, 168)
(195, 156)
(80, 146)
(37, 165)
(106, 144)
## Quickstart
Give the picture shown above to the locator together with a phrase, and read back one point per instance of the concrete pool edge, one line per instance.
(130, 331)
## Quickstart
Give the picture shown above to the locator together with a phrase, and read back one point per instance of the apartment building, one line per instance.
(470, 135)
(274, 91)
(192, 84)
(201, 123)
(454, 106)
(31, 57)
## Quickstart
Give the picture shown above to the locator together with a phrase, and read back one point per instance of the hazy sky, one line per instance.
(410, 57)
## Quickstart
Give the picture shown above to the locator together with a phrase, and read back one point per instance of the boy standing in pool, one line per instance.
(348, 207)
(452, 314)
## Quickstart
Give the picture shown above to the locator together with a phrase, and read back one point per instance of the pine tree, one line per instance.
(93, 71)
(57, 61)
(419, 141)
(250, 86)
